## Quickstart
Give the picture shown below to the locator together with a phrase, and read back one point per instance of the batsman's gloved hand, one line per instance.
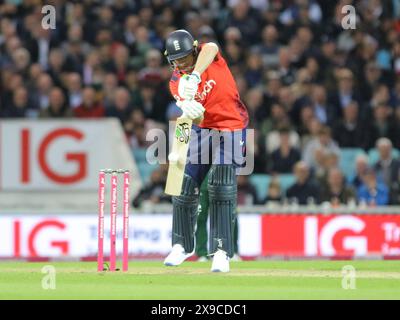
(188, 85)
(191, 109)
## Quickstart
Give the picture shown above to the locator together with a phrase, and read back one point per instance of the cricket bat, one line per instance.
(180, 147)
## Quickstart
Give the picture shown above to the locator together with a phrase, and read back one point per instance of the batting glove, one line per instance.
(191, 109)
(188, 85)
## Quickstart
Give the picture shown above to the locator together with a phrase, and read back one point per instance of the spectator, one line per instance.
(120, 63)
(56, 65)
(286, 156)
(273, 85)
(274, 195)
(286, 71)
(254, 72)
(361, 165)
(40, 94)
(91, 69)
(153, 192)
(255, 105)
(317, 147)
(345, 92)
(372, 77)
(329, 160)
(276, 120)
(270, 48)
(372, 192)
(293, 12)
(109, 88)
(246, 19)
(322, 111)
(89, 108)
(40, 44)
(273, 138)
(122, 105)
(19, 106)
(388, 169)
(381, 125)
(336, 192)
(58, 107)
(349, 132)
(247, 194)
(303, 190)
(74, 89)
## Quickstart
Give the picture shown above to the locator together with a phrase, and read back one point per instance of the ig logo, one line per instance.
(49, 20)
(348, 277)
(49, 280)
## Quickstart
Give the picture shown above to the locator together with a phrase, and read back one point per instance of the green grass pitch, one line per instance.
(193, 280)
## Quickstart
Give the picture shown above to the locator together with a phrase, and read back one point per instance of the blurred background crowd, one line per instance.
(325, 101)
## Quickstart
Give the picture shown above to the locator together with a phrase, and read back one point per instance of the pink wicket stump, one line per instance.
(100, 229)
(113, 225)
(125, 251)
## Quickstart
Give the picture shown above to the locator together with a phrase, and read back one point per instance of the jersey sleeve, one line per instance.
(173, 87)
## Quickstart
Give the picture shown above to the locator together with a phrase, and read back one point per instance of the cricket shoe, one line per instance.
(220, 262)
(177, 256)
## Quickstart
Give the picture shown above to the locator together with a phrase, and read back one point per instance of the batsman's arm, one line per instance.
(206, 56)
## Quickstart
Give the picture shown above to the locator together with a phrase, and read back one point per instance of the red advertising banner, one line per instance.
(330, 235)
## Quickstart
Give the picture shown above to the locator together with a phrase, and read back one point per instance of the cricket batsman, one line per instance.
(206, 92)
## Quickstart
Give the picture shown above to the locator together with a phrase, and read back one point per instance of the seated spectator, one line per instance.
(285, 156)
(89, 108)
(153, 191)
(381, 125)
(294, 11)
(40, 92)
(336, 192)
(329, 160)
(349, 132)
(388, 169)
(323, 144)
(361, 169)
(273, 138)
(270, 128)
(246, 194)
(270, 46)
(109, 88)
(122, 105)
(254, 72)
(57, 106)
(19, 106)
(303, 190)
(274, 193)
(322, 111)
(345, 92)
(74, 89)
(309, 126)
(372, 192)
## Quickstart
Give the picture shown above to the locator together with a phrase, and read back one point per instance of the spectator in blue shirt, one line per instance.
(373, 192)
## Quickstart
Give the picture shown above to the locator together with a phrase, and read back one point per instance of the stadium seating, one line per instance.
(261, 183)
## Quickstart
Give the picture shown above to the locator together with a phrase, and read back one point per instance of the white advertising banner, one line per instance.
(59, 155)
(75, 236)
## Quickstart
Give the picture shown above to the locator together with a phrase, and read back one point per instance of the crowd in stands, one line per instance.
(311, 87)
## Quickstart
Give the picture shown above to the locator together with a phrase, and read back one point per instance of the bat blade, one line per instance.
(180, 146)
